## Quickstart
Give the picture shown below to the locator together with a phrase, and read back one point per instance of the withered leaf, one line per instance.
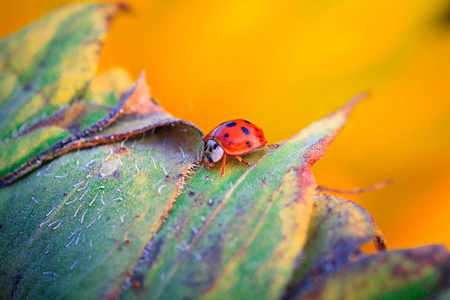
(419, 273)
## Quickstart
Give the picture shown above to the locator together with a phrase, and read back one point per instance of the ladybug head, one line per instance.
(212, 152)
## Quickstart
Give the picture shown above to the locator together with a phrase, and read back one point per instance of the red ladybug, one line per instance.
(232, 138)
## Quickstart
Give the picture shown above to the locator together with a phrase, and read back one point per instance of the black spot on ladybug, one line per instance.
(231, 124)
(215, 146)
(247, 122)
(226, 135)
(248, 144)
(210, 159)
(260, 137)
(210, 149)
(205, 147)
(231, 143)
(245, 130)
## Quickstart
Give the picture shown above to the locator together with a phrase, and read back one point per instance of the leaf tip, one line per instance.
(348, 108)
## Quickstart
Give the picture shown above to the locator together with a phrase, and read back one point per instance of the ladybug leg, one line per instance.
(223, 164)
(242, 161)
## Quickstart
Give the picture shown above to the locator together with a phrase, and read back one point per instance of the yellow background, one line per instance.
(284, 64)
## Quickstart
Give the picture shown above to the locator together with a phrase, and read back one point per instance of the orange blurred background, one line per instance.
(284, 64)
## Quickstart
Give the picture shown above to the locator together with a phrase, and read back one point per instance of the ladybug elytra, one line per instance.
(232, 138)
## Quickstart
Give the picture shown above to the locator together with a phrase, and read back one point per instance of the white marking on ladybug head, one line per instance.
(212, 152)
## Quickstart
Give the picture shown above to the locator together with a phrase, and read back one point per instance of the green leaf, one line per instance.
(50, 63)
(86, 217)
(239, 234)
(18, 153)
(45, 70)
(84, 220)
(402, 274)
(138, 112)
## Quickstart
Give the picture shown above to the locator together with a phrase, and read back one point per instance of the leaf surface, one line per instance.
(50, 63)
(86, 217)
(338, 228)
(105, 93)
(401, 274)
(252, 223)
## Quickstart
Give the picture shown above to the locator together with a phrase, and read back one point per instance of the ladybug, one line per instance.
(232, 138)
